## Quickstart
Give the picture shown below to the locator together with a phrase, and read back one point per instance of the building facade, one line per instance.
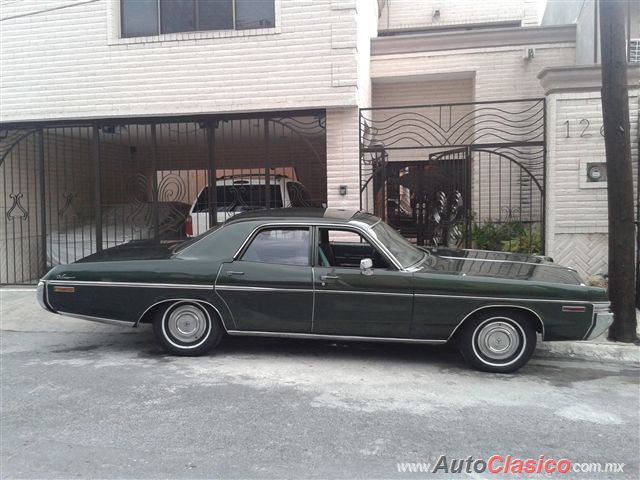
(116, 114)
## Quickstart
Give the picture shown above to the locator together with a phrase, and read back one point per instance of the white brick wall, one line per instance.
(577, 221)
(70, 63)
(500, 72)
(401, 14)
(343, 158)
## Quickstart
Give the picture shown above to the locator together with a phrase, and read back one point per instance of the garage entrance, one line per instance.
(68, 190)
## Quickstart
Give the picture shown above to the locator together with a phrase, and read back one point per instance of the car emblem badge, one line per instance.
(64, 276)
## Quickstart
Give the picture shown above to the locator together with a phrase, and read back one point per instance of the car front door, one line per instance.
(269, 286)
(349, 301)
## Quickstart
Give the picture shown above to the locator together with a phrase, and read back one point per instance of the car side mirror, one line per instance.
(366, 264)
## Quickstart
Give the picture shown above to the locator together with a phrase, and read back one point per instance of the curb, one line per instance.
(610, 351)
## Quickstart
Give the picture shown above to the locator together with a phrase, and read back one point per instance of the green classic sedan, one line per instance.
(329, 274)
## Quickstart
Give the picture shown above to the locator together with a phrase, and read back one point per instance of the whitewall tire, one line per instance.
(187, 328)
(500, 341)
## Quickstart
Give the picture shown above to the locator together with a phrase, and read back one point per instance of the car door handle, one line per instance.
(329, 277)
(231, 273)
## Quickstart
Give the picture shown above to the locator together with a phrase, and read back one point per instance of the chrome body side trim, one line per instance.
(361, 292)
(305, 290)
(110, 321)
(484, 307)
(505, 299)
(262, 289)
(316, 336)
(187, 286)
(181, 300)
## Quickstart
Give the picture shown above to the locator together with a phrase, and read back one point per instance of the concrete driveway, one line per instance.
(92, 401)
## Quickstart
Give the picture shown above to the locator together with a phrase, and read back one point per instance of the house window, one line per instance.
(634, 50)
(153, 17)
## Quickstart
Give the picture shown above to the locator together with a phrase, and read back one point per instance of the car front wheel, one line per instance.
(187, 328)
(498, 341)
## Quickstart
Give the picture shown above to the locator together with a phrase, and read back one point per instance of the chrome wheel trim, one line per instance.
(498, 338)
(186, 322)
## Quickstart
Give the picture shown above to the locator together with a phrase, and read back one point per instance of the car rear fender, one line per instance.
(148, 314)
(531, 314)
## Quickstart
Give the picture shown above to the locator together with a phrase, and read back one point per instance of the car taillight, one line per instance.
(188, 226)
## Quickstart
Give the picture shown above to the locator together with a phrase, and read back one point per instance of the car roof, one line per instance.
(311, 215)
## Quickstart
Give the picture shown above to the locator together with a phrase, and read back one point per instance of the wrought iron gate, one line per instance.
(466, 174)
(72, 189)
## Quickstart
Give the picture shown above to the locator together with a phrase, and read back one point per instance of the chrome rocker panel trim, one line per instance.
(317, 336)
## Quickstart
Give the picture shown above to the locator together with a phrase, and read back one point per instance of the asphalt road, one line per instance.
(101, 402)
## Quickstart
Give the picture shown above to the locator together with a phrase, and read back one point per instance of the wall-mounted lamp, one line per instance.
(529, 53)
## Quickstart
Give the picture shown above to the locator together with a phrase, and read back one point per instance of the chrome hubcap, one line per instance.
(187, 323)
(498, 340)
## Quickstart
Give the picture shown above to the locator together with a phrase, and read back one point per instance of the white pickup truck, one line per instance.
(236, 194)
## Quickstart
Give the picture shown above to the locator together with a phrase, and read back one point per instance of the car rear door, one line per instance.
(269, 286)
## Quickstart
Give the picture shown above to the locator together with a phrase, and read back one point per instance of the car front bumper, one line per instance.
(602, 320)
(41, 295)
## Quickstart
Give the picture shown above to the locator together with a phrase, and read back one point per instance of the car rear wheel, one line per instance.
(187, 328)
(498, 341)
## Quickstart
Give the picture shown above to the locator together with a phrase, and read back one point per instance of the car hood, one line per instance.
(479, 263)
(136, 250)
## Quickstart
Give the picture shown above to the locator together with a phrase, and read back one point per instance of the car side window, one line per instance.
(283, 246)
(345, 248)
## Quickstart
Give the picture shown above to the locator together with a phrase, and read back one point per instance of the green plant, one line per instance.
(525, 242)
(491, 235)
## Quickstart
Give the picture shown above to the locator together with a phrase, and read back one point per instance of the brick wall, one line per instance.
(343, 158)
(400, 14)
(500, 72)
(577, 222)
(70, 63)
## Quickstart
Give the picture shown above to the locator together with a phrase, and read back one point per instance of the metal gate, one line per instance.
(464, 175)
(71, 189)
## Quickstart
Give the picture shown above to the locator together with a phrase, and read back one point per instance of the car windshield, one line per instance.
(399, 247)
